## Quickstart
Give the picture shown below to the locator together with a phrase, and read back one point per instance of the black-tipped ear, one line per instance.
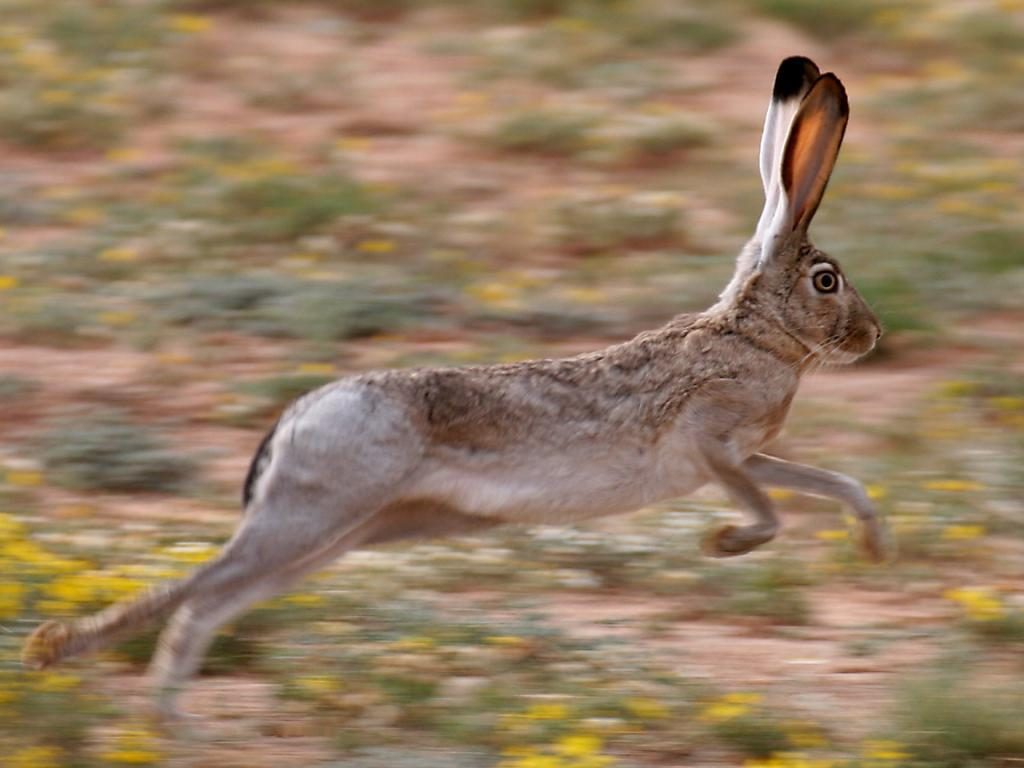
(793, 81)
(812, 146)
(795, 74)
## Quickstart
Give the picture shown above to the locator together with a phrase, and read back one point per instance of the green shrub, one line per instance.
(290, 308)
(288, 206)
(825, 19)
(339, 311)
(58, 321)
(102, 449)
(543, 132)
(946, 722)
(223, 302)
(591, 224)
(14, 386)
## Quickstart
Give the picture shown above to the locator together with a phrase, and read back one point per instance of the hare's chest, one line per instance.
(761, 427)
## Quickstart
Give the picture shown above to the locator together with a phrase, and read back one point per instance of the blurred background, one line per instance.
(209, 207)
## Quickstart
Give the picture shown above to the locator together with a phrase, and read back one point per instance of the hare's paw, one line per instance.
(167, 718)
(733, 540)
(47, 645)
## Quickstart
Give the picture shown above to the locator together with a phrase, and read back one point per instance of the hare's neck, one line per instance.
(765, 329)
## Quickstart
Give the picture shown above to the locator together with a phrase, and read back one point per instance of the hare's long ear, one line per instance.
(793, 81)
(808, 158)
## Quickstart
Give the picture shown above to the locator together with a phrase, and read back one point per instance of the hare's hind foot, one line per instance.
(733, 540)
(875, 541)
(47, 645)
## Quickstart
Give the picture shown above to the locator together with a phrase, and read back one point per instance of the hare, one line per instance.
(403, 454)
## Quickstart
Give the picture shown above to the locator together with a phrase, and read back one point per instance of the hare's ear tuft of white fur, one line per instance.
(793, 81)
(808, 157)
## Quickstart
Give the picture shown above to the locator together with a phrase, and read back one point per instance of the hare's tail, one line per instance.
(56, 640)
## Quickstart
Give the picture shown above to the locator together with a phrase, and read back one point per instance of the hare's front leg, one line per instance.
(831, 485)
(731, 540)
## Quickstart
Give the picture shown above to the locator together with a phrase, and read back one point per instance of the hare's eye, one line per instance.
(825, 281)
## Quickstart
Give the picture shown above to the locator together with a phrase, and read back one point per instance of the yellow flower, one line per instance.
(7, 282)
(190, 552)
(979, 603)
(1007, 403)
(124, 155)
(579, 745)
(833, 535)
(24, 478)
(953, 486)
(84, 215)
(646, 708)
(11, 593)
(547, 712)
(26, 551)
(788, 760)
(318, 685)
(118, 254)
(376, 246)
(190, 23)
(505, 640)
(44, 62)
(876, 492)
(10, 528)
(495, 294)
(317, 369)
(729, 707)
(132, 756)
(885, 750)
(137, 746)
(36, 757)
(959, 388)
(57, 681)
(352, 144)
(73, 589)
(780, 494)
(962, 532)
(117, 317)
(414, 643)
(304, 598)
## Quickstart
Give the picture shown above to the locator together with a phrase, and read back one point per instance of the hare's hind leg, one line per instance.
(299, 521)
(831, 485)
(731, 540)
(260, 561)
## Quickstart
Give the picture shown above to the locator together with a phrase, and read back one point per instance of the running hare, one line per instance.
(392, 455)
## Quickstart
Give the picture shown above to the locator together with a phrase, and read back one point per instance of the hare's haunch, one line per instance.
(401, 454)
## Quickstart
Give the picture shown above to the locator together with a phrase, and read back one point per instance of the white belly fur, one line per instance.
(548, 487)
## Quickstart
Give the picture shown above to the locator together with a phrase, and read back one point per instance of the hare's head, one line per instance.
(780, 275)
